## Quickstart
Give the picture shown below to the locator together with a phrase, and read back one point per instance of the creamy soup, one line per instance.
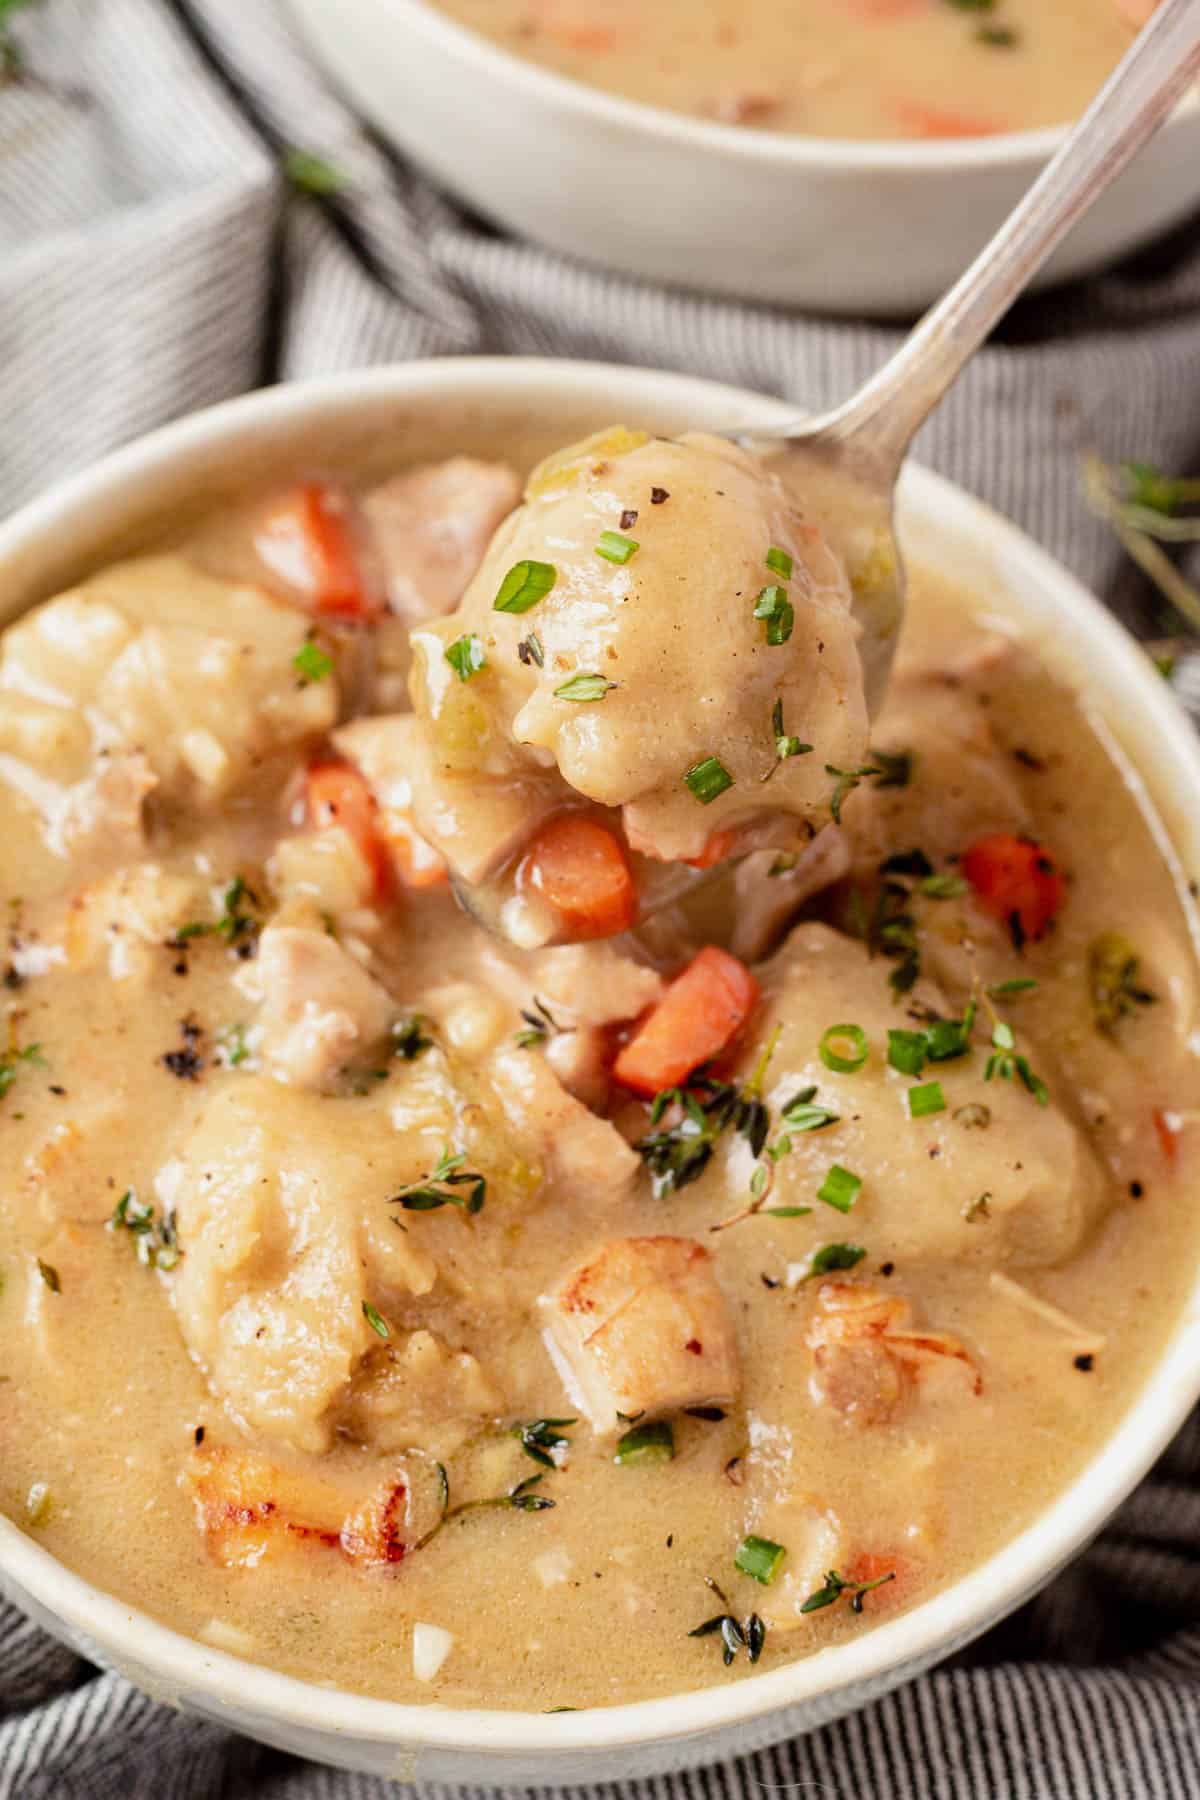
(554, 1327)
(829, 68)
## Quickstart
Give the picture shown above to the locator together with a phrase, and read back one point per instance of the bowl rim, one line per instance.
(995, 150)
(191, 1670)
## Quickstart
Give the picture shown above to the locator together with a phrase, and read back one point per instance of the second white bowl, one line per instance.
(823, 224)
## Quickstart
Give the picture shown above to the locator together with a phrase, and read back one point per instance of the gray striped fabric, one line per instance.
(150, 262)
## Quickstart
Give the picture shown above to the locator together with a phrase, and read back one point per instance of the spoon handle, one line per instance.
(881, 419)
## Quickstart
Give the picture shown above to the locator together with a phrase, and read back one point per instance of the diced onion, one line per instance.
(432, 1644)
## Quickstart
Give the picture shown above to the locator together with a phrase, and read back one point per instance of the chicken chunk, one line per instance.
(253, 1509)
(431, 527)
(1034, 1172)
(639, 1327)
(415, 1389)
(584, 1157)
(868, 1357)
(285, 1233)
(319, 1005)
(128, 918)
(192, 674)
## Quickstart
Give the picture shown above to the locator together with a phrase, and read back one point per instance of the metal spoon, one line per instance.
(862, 443)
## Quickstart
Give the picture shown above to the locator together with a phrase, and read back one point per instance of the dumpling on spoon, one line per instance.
(658, 645)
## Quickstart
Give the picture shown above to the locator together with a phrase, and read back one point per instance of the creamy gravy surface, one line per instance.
(851, 69)
(257, 1409)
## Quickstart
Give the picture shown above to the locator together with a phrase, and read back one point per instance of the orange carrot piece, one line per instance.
(700, 1013)
(1166, 1129)
(918, 120)
(1015, 880)
(871, 1565)
(719, 847)
(338, 795)
(581, 869)
(415, 860)
(306, 540)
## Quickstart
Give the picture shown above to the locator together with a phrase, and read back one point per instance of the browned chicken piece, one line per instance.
(642, 1327)
(868, 1358)
(319, 1005)
(431, 527)
(252, 1509)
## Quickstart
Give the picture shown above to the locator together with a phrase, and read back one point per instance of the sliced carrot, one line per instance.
(1015, 880)
(415, 860)
(1166, 1128)
(306, 540)
(338, 795)
(873, 1565)
(922, 121)
(719, 847)
(581, 868)
(700, 1013)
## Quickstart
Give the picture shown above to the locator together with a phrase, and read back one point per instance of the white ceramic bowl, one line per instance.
(432, 409)
(825, 224)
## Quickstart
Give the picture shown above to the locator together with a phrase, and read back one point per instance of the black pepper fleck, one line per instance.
(1136, 1190)
(1085, 1363)
(658, 495)
(629, 518)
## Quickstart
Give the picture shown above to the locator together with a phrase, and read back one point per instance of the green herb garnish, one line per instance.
(584, 688)
(776, 609)
(525, 584)
(439, 1187)
(853, 1053)
(707, 779)
(834, 1257)
(466, 656)
(734, 1636)
(13, 1061)
(925, 1100)
(410, 1037)
(1113, 985)
(530, 650)
(836, 1585)
(615, 547)
(780, 561)
(156, 1241)
(759, 1558)
(375, 1320)
(840, 1188)
(1004, 1063)
(785, 744)
(543, 1440)
(235, 925)
(540, 1024)
(312, 663)
(653, 1442)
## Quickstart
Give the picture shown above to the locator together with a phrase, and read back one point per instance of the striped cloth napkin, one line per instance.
(154, 258)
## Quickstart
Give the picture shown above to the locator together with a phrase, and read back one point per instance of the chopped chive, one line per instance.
(786, 744)
(844, 1061)
(780, 561)
(375, 1320)
(585, 687)
(615, 547)
(926, 1099)
(650, 1443)
(840, 1188)
(1000, 990)
(525, 584)
(833, 1257)
(759, 1558)
(466, 657)
(706, 779)
(777, 610)
(907, 1051)
(943, 887)
(311, 663)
